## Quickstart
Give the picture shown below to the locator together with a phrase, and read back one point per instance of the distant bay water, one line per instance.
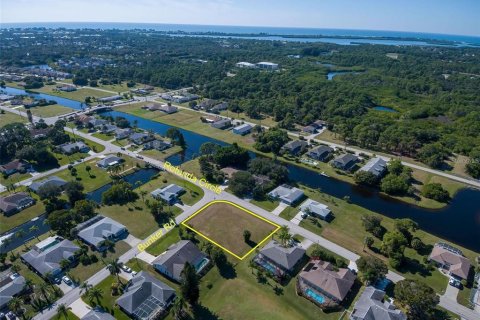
(276, 33)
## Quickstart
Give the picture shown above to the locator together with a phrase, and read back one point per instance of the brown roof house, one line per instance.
(451, 260)
(320, 283)
(14, 166)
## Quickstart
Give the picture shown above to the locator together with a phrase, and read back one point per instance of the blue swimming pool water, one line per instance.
(315, 296)
(267, 266)
(201, 264)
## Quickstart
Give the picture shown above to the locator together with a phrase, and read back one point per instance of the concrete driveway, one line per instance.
(280, 208)
(451, 292)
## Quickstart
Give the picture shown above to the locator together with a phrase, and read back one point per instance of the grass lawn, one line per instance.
(193, 192)
(71, 316)
(92, 180)
(107, 302)
(83, 272)
(7, 223)
(164, 242)
(162, 155)
(64, 159)
(192, 166)
(268, 205)
(214, 220)
(79, 95)
(49, 111)
(8, 117)
(96, 147)
(463, 296)
(220, 296)
(267, 121)
(14, 178)
(103, 136)
(346, 230)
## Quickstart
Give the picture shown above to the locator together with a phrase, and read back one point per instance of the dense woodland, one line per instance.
(435, 90)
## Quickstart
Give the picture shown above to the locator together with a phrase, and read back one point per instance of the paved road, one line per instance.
(70, 297)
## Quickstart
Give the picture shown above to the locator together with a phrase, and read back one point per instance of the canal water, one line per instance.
(61, 101)
(136, 179)
(458, 222)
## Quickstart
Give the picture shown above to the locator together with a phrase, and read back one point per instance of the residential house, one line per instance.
(40, 133)
(140, 138)
(97, 123)
(97, 314)
(14, 166)
(145, 297)
(66, 88)
(169, 193)
(229, 171)
(376, 166)
(242, 129)
(108, 128)
(319, 124)
(16, 202)
(45, 256)
(371, 306)
(50, 181)
(316, 209)
(11, 285)
(295, 147)
(286, 194)
(109, 161)
(324, 284)
(109, 99)
(98, 229)
(171, 262)
(219, 107)
(206, 104)
(123, 133)
(211, 119)
(70, 148)
(309, 129)
(267, 65)
(157, 145)
(244, 64)
(320, 153)
(168, 109)
(451, 260)
(345, 162)
(278, 260)
(222, 124)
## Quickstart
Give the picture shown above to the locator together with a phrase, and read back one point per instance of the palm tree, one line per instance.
(143, 193)
(62, 309)
(33, 229)
(115, 268)
(88, 168)
(178, 308)
(64, 264)
(85, 286)
(95, 294)
(15, 305)
(44, 288)
(28, 284)
(15, 268)
(284, 235)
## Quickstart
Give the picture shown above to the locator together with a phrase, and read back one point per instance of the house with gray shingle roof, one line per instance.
(371, 306)
(171, 262)
(146, 297)
(286, 194)
(320, 153)
(315, 209)
(97, 314)
(376, 166)
(345, 162)
(11, 285)
(295, 147)
(69, 148)
(16, 202)
(50, 181)
(98, 229)
(169, 193)
(278, 260)
(44, 258)
(109, 161)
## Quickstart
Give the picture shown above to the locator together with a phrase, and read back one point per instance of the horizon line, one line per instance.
(251, 26)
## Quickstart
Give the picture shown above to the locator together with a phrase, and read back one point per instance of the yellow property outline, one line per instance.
(184, 223)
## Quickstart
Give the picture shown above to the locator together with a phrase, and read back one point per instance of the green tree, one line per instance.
(371, 269)
(394, 185)
(365, 178)
(419, 299)
(246, 236)
(241, 183)
(95, 294)
(393, 242)
(114, 267)
(62, 309)
(436, 192)
(74, 191)
(284, 235)
(189, 284)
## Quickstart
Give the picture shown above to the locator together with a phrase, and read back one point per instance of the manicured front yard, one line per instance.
(91, 180)
(268, 205)
(107, 301)
(225, 224)
(164, 242)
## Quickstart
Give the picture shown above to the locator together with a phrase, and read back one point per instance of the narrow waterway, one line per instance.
(458, 222)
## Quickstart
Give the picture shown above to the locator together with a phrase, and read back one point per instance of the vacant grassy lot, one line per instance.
(78, 95)
(8, 117)
(224, 223)
(162, 155)
(164, 242)
(7, 223)
(49, 111)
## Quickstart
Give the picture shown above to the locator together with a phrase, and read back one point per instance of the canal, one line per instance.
(458, 222)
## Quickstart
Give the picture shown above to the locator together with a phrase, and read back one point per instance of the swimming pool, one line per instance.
(267, 266)
(315, 296)
(201, 264)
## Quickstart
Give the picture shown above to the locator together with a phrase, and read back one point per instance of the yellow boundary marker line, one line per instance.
(184, 223)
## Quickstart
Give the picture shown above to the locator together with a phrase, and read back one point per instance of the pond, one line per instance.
(61, 101)
(385, 109)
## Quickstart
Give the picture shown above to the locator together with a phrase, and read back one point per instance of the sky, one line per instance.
(433, 16)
